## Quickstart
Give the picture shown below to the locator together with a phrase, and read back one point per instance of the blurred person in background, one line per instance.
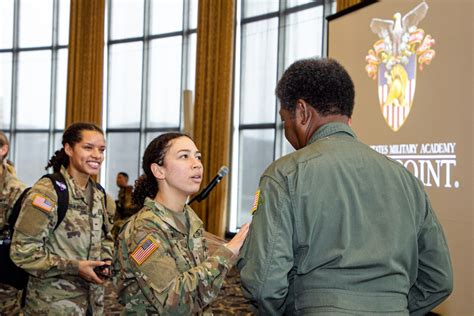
(124, 203)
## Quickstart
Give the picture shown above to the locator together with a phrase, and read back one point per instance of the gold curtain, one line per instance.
(344, 4)
(212, 111)
(85, 62)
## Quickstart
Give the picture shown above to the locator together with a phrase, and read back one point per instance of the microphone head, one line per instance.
(223, 171)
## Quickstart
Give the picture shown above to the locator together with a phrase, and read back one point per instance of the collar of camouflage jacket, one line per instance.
(166, 215)
(76, 191)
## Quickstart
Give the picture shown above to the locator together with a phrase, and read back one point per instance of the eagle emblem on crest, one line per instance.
(393, 59)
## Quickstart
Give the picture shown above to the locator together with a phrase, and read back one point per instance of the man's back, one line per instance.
(357, 223)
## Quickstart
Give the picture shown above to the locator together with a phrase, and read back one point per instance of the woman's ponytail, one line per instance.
(144, 187)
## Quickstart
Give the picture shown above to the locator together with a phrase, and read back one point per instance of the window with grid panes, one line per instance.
(33, 70)
(150, 62)
(270, 36)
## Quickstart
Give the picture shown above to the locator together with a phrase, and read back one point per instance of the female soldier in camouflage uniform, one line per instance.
(60, 262)
(160, 252)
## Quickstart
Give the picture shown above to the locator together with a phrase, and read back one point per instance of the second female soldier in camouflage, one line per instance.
(61, 262)
(161, 255)
(10, 190)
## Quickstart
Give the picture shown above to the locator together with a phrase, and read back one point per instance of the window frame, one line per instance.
(237, 129)
(15, 50)
(143, 129)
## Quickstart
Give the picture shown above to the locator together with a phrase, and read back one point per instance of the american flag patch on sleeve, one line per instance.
(144, 249)
(43, 203)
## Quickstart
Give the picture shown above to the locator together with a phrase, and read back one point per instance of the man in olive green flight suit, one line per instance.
(339, 229)
(10, 191)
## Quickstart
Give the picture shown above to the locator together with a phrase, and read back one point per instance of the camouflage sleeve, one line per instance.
(37, 219)
(107, 249)
(14, 187)
(169, 290)
(111, 210)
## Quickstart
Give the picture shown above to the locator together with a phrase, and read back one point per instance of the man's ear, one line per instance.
(303, 112)
(157, 171)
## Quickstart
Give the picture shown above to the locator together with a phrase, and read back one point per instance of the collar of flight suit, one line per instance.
(166, 215)
(330, 129)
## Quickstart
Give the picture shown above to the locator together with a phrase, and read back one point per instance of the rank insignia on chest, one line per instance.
(256, 202)
(144, 249)
(43, 203)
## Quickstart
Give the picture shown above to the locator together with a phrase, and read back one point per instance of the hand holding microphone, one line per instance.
(223, 171)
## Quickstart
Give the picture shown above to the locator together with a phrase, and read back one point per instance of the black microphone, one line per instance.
(223, 171)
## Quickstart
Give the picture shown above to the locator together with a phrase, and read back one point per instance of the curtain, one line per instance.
(85, 62)
(212, 110)
(344, 4)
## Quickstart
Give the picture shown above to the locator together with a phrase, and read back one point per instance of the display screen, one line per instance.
(412, 66)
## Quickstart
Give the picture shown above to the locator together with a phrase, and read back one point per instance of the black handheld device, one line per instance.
(104, 271)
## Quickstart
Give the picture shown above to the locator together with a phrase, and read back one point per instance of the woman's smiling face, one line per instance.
(86, 156)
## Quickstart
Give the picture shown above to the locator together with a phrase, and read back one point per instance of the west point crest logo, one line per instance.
(393, 60)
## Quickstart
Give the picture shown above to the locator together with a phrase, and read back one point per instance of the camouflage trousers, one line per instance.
(63, 296)
(9, 300)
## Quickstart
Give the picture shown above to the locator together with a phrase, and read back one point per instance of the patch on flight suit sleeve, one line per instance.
(144, 249)
(43, 203)
(256, 201)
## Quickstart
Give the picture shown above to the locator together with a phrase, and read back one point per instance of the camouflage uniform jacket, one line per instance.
(165, 270)
(52, 256)
(10, 190)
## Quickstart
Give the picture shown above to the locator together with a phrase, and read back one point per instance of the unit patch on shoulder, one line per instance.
(43, 203)
(144, 249)
(256, 202)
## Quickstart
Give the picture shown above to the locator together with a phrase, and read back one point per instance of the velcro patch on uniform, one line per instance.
(255, 201)
(144, 249)
(43, 203)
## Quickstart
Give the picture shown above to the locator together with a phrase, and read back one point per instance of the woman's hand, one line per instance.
(238, 240)
(86, 270)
